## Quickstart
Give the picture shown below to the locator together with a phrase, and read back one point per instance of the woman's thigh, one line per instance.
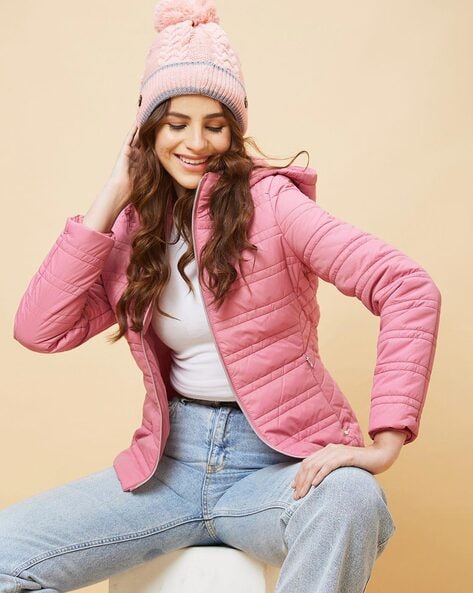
(255, 514)
(86, 530)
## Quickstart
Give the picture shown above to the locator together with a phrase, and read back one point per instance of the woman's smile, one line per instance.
(193, 164)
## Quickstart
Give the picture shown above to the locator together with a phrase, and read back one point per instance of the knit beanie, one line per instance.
(191, 54)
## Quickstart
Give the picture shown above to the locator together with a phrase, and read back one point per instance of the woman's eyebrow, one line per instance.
(208, 116)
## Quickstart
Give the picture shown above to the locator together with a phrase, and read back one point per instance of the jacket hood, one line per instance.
(304, 178)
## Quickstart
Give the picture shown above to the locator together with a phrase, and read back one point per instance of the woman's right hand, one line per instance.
(120, 177)
(117, 190)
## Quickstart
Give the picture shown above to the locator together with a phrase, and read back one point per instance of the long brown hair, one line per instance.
(231, 210)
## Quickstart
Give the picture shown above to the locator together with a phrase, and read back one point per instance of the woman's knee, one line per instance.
(355, 485)
(356, 494)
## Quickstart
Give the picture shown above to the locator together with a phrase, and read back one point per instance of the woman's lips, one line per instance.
(197, 168)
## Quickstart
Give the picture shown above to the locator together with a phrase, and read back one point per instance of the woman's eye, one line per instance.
(179, 127)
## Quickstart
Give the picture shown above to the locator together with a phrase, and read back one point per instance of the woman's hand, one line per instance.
(126, 160)
(116, 192)
(376, 458)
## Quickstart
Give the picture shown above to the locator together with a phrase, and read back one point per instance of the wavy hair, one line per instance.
(231, 210)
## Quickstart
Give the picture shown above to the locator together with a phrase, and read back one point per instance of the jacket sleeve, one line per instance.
(389, 284)
(65, 303)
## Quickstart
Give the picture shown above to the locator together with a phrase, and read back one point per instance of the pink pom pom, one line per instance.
(170, 12)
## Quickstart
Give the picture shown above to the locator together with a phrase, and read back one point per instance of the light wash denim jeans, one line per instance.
(217, 484)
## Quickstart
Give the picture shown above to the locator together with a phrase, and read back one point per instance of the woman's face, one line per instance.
(193, 129)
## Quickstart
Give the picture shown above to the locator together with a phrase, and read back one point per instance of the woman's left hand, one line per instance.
(376, 458)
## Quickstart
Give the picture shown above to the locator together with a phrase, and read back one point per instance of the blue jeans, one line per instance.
(216, 484)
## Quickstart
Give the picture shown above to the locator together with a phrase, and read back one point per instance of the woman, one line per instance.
(209, 261)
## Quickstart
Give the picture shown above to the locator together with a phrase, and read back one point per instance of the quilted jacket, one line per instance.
(266, 330)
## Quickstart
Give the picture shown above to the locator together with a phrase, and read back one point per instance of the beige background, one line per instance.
(380, 94)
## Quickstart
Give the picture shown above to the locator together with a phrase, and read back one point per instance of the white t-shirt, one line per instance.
(196, 369)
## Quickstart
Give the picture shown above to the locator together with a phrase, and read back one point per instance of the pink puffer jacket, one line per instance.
(266, 330)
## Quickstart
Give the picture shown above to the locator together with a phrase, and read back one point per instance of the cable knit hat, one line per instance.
(191, 54)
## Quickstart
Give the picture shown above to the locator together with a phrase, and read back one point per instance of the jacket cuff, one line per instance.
(89, 243)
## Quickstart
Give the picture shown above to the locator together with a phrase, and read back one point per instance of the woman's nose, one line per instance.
(196, 140)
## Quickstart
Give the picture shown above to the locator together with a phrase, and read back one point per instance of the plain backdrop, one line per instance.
(380, 94)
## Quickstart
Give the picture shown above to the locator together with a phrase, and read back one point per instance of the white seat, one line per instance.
(198, 569)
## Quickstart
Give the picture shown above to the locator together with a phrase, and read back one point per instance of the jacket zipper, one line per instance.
(149, 366)
(309, 361)
(213, 335)
(155, 395)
